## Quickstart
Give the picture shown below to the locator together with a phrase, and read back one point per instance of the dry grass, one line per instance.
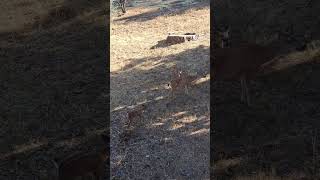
(274, 135)
(172, 138)
(53, 84)
(292, 59)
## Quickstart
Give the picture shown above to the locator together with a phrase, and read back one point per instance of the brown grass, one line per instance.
(53, 84)
(139, 75)
(274, 137)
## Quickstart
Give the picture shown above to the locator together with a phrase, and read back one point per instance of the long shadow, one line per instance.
(161, 44)
(165, 118)
(172, 9)
(55, 90)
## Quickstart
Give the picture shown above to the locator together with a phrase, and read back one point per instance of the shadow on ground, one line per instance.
(55, 91)
(173, 133)
(172, 8)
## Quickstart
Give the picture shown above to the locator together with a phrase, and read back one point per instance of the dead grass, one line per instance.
(292, 59)
(135, 43)
(139, 75)
(275, 135)
(54, 84)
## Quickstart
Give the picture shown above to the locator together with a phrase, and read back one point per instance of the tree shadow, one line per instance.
(161, 44)
(172, 9)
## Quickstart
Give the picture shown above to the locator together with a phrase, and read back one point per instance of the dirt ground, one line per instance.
(171, 140)
(278, 136)
(53, 86)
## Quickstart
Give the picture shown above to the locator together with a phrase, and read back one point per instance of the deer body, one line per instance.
(241, 63)
(135, 113)
(180, 80)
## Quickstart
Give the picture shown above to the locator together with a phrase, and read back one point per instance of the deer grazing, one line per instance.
(83, 165)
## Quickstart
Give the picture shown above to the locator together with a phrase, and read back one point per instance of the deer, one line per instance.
(242, 63)
(135, 113)
(122, 4)
(180, 79)
(175, 79)
(81, 165)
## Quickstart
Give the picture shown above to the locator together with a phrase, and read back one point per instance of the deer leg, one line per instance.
(242, 81)
(99, 172)
(172, 93)
(97, 176)
(186, 89)
(245, 90)
(247, 95)
(123, 7)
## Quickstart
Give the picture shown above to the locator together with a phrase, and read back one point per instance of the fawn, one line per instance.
(136, 112)
(179, 80)
(83, 165)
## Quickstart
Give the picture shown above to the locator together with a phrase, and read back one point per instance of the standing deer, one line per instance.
(122, 4)
(135, 113)
(241, 63)
(180, 80)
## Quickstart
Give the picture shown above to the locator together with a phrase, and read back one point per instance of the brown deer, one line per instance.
(241, 63)
(180, 80)
(175, 79)
(82, 165)
(135, 113)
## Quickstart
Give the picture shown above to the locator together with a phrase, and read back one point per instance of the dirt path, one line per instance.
(171, 140)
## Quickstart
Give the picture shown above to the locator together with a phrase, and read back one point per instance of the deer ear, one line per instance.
(226, 31)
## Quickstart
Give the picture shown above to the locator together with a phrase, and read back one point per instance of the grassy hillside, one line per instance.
(53, 74)
(277, 137)
(171, 140)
